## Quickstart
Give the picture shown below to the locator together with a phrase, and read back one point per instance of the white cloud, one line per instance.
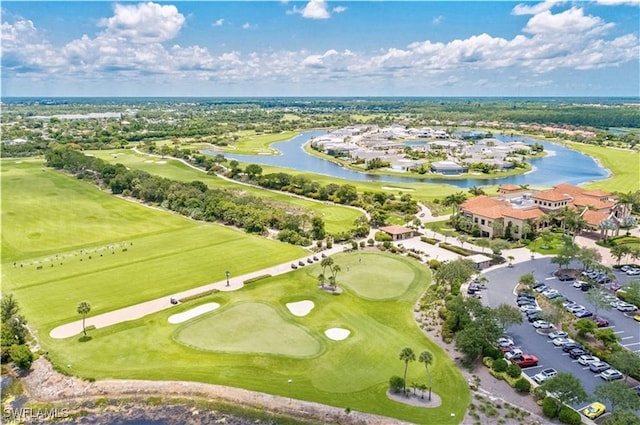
(339, 9)
(526, 9)
(246, 26)
(218, 23)
(437, 20)
(315, 9)
(144, 22)
(572, 21)
(619, 2)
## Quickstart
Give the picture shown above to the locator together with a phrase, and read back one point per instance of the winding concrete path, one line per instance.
(138, 311)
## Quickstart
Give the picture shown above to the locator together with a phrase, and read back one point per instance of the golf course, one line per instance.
(65, 241)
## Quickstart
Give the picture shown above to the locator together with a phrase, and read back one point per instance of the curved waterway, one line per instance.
(560, 165)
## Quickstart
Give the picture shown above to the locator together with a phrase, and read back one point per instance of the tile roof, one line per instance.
(551, 195)
(484, 206)
(527, 214)
(396, 230)
(510, 187)
(594, 217)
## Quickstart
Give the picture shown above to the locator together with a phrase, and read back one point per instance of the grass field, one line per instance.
(252, 144)
(254, 342)
(337, 218)
(93, 246)
(624, 164)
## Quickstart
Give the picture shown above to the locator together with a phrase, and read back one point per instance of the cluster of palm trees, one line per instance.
(407, 355)
(328, 262)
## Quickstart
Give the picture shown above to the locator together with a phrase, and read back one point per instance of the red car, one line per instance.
(525, 360)
(601, 322)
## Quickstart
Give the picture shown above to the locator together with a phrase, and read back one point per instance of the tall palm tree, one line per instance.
(334, 272)
(326, 262)
(427, 358)
(406, 355)
(84, 308)
(476, 191)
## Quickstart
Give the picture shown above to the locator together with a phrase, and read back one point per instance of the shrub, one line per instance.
(550, 407)
(500, 365)
(539, 393)
(513, 370)
(396, 384)
(200, 295)
(382, 237)
(523, 385)
(492, 352)
(257, 278)
(21, 355)
(569, 416)
(434, 264)
(431, 241)
(370, 242)
(462, 251)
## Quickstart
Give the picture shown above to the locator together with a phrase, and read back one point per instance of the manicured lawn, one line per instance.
(113, 253)
(252, 144)
(624, 164)
(254, 342)
(337, 218)
(250, 327)
(551, 248)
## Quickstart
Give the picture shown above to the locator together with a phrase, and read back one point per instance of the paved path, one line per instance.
(137, 311)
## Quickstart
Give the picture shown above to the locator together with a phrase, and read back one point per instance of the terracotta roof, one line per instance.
(484, 206)
(510, 187)
(587, 201)
(527, 214)
(596, 192)
(578, 191)
(594, 217)
(396, 230)
(551, 195)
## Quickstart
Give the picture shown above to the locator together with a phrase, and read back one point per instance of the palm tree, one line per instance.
(326, 262)
(334, 272)
(406, 355)
(84, 308)
(321, 279)
(454, 200)
(476, 191)
(427, 358)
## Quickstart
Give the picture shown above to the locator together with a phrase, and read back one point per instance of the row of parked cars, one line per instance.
(310, 260)
(631, 270)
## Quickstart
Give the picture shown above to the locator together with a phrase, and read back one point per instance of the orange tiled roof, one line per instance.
(578, 191)
(594, 217)
(528, 214)
(484, 206)
(510, 187)
(396, 230)
(587, 201)
(596, 192)
(551, 195)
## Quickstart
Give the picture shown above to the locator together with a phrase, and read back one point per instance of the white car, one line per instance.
(542, 324)
(513, 353)
(587, 359)
(574, 307)
(633, 272)
(626, 307)
(558, 334)
(544, 375)
(559, 342)
(578, 284)
(529, 307)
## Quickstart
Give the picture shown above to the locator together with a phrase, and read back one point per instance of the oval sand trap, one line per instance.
(337, 334)
(194, 312)
(300, 308)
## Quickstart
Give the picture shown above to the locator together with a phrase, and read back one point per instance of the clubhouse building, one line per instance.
(516, 206)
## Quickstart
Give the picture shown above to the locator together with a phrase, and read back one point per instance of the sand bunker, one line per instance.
(337, 334)
(161, 162)
(148, 161)
(399, 189)
(194, 312)
(300, 308)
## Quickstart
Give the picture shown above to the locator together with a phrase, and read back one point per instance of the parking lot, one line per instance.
(501, 289)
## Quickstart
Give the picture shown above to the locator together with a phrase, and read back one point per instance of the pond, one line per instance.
(560, 165)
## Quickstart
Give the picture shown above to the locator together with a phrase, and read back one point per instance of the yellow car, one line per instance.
(636, 317)
(594, 410)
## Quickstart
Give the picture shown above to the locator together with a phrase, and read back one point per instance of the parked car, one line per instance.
(594, 410)
(611, 375)
(601, 322)
(544, 375)
(309, 260)
(513, 353)
(528, 307)
(559, 342)
(315, 258)
(626, 307)
(585, 287)
(526, 294)
(541, 288)
(577, 352)
(583, 313)
(504, 341)
(525, 360)
(532, 316)
(587, 359)
(566, 277)
(294, 266)
(558, 334)
(599, 367)
(578, 283)
(542, 324)
(636, 317)
(301, 263)
(571, 346)
(574, 307)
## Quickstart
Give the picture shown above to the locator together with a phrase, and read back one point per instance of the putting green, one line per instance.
(249, 327)
(375, 277)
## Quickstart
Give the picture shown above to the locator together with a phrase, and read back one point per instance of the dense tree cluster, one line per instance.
(13, 334)
(193, 199)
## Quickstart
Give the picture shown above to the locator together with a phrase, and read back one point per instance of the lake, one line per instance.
(561, 165)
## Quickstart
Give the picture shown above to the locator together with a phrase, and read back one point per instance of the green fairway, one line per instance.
(249, 327)
(253, 144)
(381, 279)
(254, 342)
(108, 251)
(623, 163)
(337, 218)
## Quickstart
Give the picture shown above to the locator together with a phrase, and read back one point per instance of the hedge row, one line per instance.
(462, 251)
(257, 278)
(431, 241)
(200, 295)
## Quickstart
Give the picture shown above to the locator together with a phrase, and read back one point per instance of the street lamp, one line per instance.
(289, 381)
(227, 273)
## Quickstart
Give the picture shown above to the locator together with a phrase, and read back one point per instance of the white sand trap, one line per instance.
(194, 312)
(337, 334)
(300, 308)
(161, 162)
(148, 161)
(399, 189)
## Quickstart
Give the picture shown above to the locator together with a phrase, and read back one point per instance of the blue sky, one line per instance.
(321, 48)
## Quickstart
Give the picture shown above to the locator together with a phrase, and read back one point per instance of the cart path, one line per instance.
(138, 311)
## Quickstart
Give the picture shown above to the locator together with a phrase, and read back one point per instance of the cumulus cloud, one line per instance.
(572, 21)
(339, 9)
(315, 9)
(619, 2)
(218, 22)
(437, 20)
(246, 26)
(144, 22)
(528, 9)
